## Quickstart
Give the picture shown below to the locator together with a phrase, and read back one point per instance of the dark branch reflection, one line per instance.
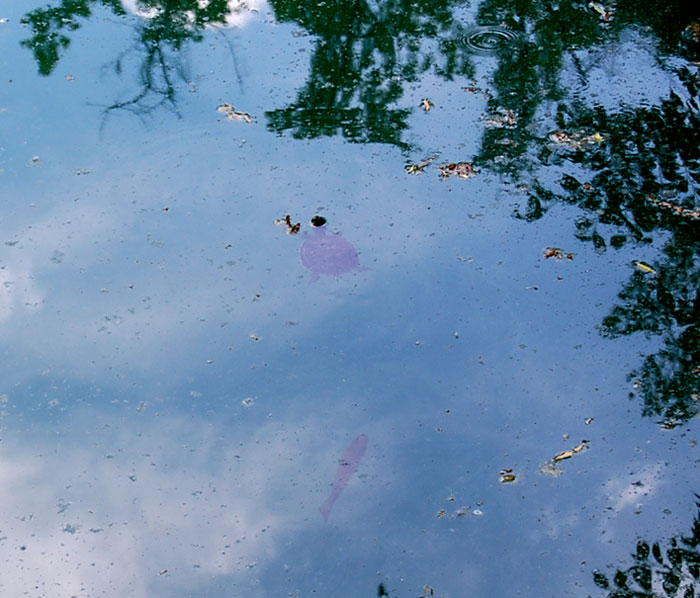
(632, 171)
(160, 38)
(365, 53)
(48, 25)
(672, 568)
(642, 172)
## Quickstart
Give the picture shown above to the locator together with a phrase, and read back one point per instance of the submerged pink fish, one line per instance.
(348, 465)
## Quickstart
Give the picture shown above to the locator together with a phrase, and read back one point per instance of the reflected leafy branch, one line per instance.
(643, 175)
(364, 54)
(168, 26)
(48, 25)
(674, 570)
(633, 172)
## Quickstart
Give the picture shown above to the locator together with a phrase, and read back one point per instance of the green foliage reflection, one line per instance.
(642, 175)
(47, 26)
(673, 570)
(632, 171)
(364, 55)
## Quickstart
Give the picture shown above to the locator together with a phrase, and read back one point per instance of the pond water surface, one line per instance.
(480, 378)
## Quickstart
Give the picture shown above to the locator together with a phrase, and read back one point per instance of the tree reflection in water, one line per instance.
(642, 178)
(673, 570)
(167, 26)
(365, 54)
(631, 170)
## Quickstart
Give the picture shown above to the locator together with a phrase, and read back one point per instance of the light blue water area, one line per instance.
(177, 390)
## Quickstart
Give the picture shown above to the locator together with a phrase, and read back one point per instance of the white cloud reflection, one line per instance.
(240, 12)
(158, 512)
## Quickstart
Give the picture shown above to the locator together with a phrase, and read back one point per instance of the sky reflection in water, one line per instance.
(176, 395)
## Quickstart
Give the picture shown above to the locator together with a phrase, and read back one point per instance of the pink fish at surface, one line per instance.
(348, 465)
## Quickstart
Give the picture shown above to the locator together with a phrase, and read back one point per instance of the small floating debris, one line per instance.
(292, 229)
(576, 140)
(645, 267)
(589, 420)
(247, 402)
(426, 104)
(253, 337)
(507, 476)
(418, 168)
(463, 170)
(605, 13)
(459, 513)
(669, 424)
(552, 468)
(678, 209)
(557, 253)
(233, 114)
(501, 118)
(570, 453)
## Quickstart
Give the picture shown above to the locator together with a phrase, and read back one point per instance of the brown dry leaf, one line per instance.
(463, 170)
(563, 455)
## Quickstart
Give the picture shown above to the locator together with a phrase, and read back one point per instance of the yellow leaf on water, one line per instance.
(645, 267)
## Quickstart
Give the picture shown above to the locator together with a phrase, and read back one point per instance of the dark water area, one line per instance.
(349, 299)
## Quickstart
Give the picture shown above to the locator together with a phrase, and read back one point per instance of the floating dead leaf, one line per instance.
(576, 140)
(557, 253)
(507, 475)
(292, 229)
(563, 455)
(426, 104)
(570, 453)
(645, 267)
(463, 170)
(605, 13)
(677, 209)
(501, 118)
(441, 513)
(233, 114)
(418, 168)
(693, 30)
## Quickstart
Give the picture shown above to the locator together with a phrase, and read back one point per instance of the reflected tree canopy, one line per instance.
(364, 55)
(673, 570)
(632, 171)
(48, 26)
(169, 25)
(640, 176)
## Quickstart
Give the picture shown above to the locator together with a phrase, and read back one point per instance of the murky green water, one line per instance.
(481, 377)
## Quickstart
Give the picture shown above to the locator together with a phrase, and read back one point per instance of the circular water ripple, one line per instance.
(489, 39)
